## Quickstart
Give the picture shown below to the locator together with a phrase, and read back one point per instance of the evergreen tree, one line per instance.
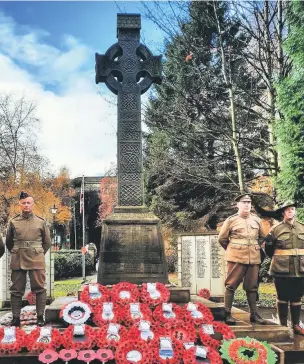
(290, 131)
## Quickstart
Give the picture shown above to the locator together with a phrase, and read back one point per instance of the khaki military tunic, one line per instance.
(28, 239)
(285, 244)
(241, 238)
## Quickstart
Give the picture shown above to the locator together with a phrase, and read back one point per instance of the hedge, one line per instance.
(68, 263)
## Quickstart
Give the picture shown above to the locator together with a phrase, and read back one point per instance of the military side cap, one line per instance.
(243, 197)
(24, 195)
(287, 203)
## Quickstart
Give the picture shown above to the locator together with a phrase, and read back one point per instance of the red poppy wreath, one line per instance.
(167, 312)
(180, 330)
(12, 340)
(131, 351)
(146, 331)
(78, 337)
(110, 336)
(106, 312)
(197, 313)
(204, 293)
(168, 351)
(94, 294)
(76, 313)
(190, 356)
(134, 312)
(216, 327)
(42, 338)
(124, 293)
(154, 294)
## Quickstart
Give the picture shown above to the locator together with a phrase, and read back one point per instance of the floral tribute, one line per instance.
(131, 351)
(181, 330)
(124, 293)
(104, 355)
(76, 313)
(12, 339)
(86, 355)
(31, 298)
(42, 338)
(248, 351)
(154, 294)
(169, 351)
(95, 294)
(48, 356)
(197, 313)
(190, 356)
(207, 333)
(78, 337)
(67, 355)
(205, 293)
(110, 336)
(107, 312)
(167, 312)
(134, 312)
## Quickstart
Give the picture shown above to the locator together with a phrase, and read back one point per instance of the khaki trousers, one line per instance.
(238, 272)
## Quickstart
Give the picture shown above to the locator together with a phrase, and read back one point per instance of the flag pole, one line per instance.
(83, 232)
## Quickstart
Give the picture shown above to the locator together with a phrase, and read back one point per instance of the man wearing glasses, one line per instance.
(28, 239)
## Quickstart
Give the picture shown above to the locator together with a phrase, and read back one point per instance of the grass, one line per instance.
(267, 295)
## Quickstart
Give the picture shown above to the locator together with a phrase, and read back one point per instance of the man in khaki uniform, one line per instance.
(28, 239)
(241, 236)
(285, 245)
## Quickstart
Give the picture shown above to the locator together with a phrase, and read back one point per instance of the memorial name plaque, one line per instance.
(201, 263)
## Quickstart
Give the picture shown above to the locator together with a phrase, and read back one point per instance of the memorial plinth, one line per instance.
(132, 249)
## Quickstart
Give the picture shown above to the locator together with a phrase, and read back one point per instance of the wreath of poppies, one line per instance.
(248, 351)
(206, 316)
(189, 356)
(126, 318)
(154, 301)
(32, 343)
(76, 313)
(158, 314)
(218, 327)
(178, 351)
(69, 341)
(31, 298)
(156, 329)
(13, 347)
(103, 339)
(205, 293)
(181, 330)
(133, 351)
(100, 318)
(105, 295)
(124, 293)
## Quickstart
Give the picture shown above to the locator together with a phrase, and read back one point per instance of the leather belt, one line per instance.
(289, 252)
(27, 244)
(244, 241)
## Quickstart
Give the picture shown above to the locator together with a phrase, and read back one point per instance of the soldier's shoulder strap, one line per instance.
(300, 222)
(14, 217)
(277, 225)
(256, 218)
(41, 218)
(231, 217)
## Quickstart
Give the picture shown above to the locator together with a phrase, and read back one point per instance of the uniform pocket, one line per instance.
(301, 236)
(39, 250)
(301, 264)
(280, 264)
(235, 246)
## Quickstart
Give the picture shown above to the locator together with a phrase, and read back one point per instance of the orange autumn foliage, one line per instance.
(108, 196)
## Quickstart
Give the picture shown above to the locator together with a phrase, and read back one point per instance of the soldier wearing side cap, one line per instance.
(28, 239)
(241, 235)
(285, 245)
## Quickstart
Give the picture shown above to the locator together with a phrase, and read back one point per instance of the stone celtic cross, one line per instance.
(128, 68)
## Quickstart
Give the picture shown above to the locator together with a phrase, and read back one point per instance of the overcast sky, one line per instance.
(47, 53)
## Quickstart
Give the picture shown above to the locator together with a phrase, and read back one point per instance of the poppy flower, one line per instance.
(48, 356)
(104, 355)
(86, 355)
(67, 355)
(160, 295)
(31, 298)
(205, 293)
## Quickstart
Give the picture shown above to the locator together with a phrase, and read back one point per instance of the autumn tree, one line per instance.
(108, 196)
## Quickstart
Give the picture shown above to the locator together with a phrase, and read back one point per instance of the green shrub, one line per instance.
(263, 274)
(68, 263)
(171, 257)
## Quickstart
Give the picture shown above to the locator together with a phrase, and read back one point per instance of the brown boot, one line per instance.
(40, 303)
(16, 303)
(15, 322)
(282, 308)
(229, 320)
(295, 312)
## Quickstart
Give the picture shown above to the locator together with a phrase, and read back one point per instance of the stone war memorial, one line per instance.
(132, 248)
